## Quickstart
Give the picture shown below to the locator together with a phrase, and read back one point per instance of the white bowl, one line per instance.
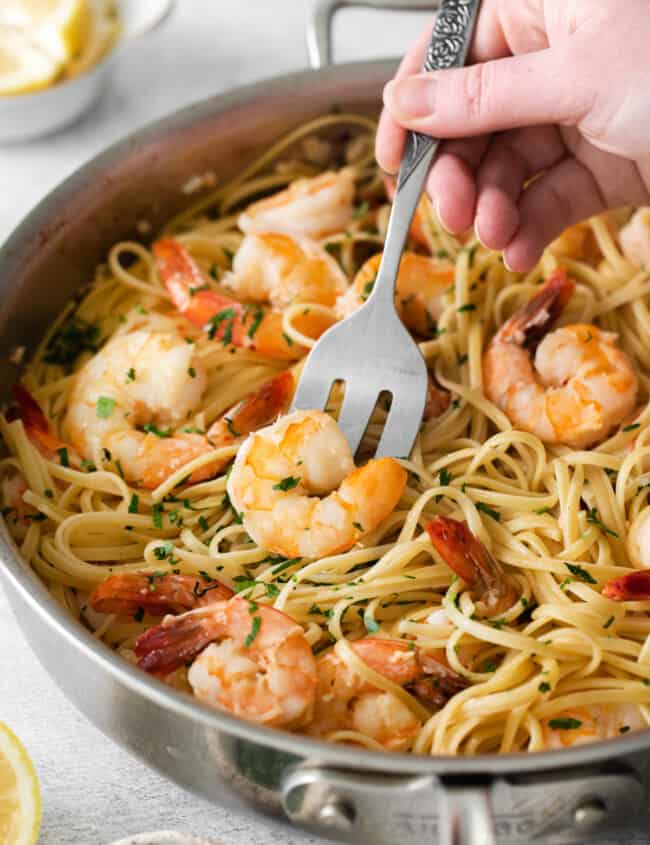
(33, 115)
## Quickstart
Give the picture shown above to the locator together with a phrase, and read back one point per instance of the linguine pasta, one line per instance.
(561, 521)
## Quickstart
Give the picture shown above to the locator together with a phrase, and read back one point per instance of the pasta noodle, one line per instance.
(561, 520)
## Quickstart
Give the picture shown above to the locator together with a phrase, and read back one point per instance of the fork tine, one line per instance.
(358, 405)
(402, 426)
(313, 390)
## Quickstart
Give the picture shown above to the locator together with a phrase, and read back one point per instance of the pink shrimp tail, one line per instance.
(36, 423)
(125, 594)
(174, 642)
(529, 325)
(185, 281)
(632, 587)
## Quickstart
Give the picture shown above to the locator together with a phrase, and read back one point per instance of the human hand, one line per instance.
(559, 88)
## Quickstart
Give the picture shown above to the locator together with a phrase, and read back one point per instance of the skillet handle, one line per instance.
(319, 34)
(466, 816)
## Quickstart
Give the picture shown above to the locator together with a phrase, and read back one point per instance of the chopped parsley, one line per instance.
(541, 511)
(191, 372)
(231, 428)
(564, 724)
(150, 428)
(544, 687)
(463, 359)
(63, 456)
(255, 629)
(104, 407)
(469, 306)
(594, 519)
(243, 582)
(285, 564)
(118, 466)
(442, 253)
(156, 516)
(361, 209)
(49, 494)
(358, 526)
(139, 614)
(130, 375)
(258, 315)
(489, 666)
(580, 573)
(164, 551)
(203, 523)
(89, 466)
(367, 289)
(287, 339)
(632, 427)
(624, 729)
(491, 512)
(287, 483)
(608, 623)
(272, 590)
(134, 503)
(74, 337)
(214, 323)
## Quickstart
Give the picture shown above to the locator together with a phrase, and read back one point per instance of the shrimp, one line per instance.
(347, 701)
(472, 562)
(438, 400)
(577, 242)
(151, 379)
(278, 470)
(581, 384)
(36, 424)
(156, 593)
(311, 207)
(280, 270)
(421, 283)
(251, 660)
(13, 488)
(581, 725)
(635, 586)
(635, 238)
(258, 409)
(249, 326)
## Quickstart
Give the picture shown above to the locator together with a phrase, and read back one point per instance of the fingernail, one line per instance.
(477, 232)
(411, 97)
(506, 264)
(436, 205)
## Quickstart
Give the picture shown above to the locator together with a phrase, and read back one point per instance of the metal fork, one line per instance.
(371, 351)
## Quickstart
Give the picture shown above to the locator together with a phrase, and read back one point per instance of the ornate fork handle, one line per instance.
(450, 42)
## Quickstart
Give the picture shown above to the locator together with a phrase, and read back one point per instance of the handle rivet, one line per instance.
(590, 813)
(337, 815)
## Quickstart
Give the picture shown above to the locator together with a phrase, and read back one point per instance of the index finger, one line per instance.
(489, 42)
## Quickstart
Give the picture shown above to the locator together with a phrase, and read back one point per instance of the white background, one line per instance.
(93, 792)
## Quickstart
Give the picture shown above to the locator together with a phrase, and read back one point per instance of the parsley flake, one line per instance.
(287, 483)
(104, 407)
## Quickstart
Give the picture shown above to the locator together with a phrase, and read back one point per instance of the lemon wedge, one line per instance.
(20, 800)
(23, 66)
(60, 27)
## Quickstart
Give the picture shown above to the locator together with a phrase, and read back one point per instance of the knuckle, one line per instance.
(476, 90)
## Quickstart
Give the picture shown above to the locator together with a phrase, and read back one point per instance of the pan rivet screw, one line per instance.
(337, 814)
(590, 813)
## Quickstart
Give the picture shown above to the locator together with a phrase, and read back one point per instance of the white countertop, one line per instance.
(94, 792)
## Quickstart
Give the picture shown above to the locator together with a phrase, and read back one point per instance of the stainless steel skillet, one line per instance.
(365, 797)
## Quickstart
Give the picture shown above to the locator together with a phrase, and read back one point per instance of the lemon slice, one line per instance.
(60, 27)
(23, 66)
(20, 800)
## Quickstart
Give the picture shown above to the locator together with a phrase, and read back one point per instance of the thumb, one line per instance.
(527, 90)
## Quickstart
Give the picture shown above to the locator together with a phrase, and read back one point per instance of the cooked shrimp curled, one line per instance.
(281, 471)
